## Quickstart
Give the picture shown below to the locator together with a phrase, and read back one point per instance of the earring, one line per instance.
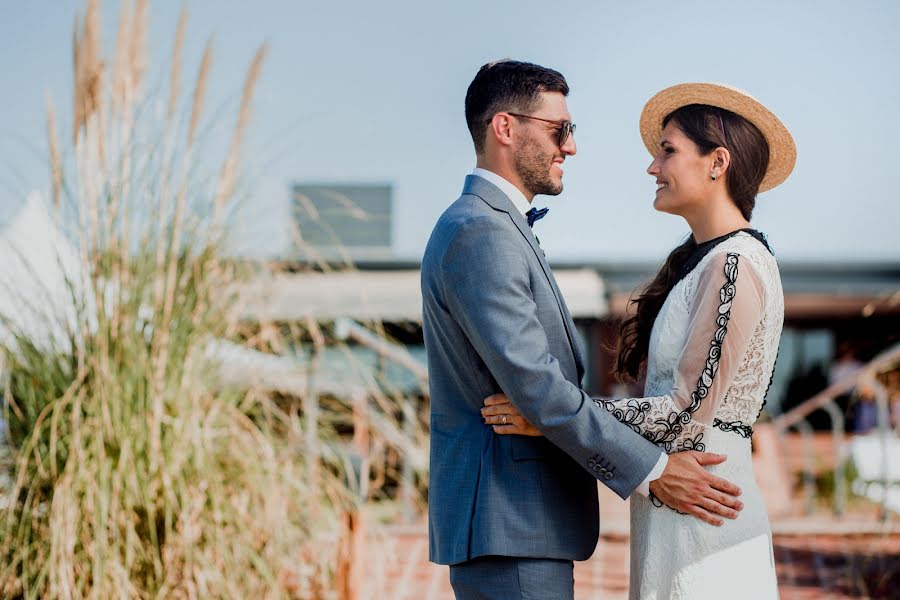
(713, 175)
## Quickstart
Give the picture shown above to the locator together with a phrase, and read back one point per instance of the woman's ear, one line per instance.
(721, 160)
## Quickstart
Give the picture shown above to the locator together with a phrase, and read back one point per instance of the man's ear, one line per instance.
(500, 129)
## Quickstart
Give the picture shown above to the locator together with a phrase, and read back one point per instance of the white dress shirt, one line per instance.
(516, 196)
(512, 192)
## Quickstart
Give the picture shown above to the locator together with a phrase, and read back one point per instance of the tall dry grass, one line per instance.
(136, 474)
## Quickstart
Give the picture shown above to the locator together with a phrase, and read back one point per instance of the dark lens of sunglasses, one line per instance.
(565, 131)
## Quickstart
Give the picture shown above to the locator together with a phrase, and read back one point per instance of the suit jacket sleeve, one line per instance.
(487, 288)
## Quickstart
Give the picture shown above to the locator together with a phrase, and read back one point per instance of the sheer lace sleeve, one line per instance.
(727, 308)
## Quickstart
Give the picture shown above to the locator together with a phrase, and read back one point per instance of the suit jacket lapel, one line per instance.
(574, 340)
(495, 198)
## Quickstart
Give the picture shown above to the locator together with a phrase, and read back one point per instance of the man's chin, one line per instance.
(547, 187)
(554, 190)
(551, 188)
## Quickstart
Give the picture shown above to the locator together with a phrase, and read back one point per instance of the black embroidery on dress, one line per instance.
(673, 424)
(705, 248)
(659, 504)
(694, 443)
(734, 426)
(632, 414)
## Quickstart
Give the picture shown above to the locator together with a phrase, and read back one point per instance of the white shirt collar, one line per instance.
(512, 192)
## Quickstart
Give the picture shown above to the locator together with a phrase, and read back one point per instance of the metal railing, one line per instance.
(797, 419)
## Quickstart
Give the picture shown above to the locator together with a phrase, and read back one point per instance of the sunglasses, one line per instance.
(565, 128)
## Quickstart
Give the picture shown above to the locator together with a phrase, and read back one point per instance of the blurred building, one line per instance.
(338, 222)
(826, 306)
(345, 268)
(851, 307)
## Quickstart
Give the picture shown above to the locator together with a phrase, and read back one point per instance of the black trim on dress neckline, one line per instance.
(706, 247)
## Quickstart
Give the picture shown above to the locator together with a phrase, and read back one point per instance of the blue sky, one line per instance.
(373, 92)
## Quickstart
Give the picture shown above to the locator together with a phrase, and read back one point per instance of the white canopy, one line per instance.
(384, 295)
(40, 277)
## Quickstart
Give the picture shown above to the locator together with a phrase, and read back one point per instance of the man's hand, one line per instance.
(687, 487)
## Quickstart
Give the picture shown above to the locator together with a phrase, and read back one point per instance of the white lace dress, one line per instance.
(712, 352)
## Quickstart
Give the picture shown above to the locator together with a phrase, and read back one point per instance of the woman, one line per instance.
(706, 330)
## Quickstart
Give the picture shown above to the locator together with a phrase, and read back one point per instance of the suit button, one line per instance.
(608, 476)
(592, 463)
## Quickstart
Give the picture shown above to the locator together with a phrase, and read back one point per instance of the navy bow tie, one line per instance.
(535, 214)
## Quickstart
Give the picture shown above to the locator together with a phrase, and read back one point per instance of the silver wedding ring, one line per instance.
(503, 419)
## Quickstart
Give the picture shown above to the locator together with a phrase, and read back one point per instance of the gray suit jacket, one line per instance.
(494, 320)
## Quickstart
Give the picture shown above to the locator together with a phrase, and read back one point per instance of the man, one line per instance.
(509, 514)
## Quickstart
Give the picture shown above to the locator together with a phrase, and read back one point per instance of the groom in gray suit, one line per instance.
(509, 514)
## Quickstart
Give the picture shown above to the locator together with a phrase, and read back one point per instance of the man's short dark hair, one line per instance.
(507, 86)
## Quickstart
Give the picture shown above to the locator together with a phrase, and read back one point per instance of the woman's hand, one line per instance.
(499, 412)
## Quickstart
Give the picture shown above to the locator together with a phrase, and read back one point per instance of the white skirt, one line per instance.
(679, 557)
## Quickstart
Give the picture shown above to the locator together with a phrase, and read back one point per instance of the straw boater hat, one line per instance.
(782, 152)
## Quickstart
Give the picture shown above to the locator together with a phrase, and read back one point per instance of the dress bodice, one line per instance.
(712, 349)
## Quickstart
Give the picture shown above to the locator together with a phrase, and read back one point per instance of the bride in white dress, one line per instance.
(706, 332)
